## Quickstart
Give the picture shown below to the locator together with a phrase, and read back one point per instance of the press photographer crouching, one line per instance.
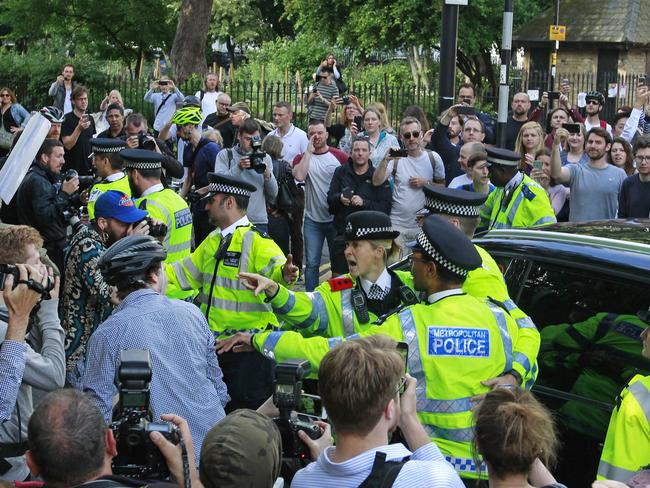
(32, 330)
(42, 199)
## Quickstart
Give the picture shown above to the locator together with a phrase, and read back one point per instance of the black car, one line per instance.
(587, 288)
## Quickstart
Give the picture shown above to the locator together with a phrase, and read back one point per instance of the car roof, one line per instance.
(610, 246)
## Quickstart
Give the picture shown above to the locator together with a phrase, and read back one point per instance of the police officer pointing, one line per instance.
(517, 201)
(455, 341)
(212, 270)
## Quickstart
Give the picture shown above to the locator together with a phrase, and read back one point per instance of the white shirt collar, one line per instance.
(152, 189)
(114, 177)
(435, 297)
(231, 228)
(384, 282)
(516, 179)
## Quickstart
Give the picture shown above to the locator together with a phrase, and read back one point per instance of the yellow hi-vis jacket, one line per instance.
(120, 184)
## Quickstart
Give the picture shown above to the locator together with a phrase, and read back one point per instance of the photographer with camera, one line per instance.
(198, 157)
(144, 169)
(71, 446)
(247, 161)
(87, 297)
(186, 378)
(363, 414)
(44, 367)
(41, 199)
(108, 166)
(138, 137)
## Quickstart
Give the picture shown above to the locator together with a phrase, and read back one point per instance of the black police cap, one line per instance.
(447, 246)
(141, 159)
(220, 183)
(369, 225)
(504, 157)
(104, 145)
(453, 201)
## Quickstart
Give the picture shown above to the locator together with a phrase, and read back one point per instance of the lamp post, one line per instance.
(448, 47)
(504, 71)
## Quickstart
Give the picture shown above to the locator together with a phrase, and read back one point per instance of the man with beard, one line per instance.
(595, 102)
(144, 169)
(520, 107)
(220, 120)
(199, 157)
(594, 186)
(61, 89)
(86, 295)
(213, 269)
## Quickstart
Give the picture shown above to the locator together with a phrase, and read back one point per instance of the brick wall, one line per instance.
(577, 61)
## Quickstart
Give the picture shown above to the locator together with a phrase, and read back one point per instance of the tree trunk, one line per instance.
(230, 47)
(188, 50)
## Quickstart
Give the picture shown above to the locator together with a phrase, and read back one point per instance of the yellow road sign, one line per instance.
(557, 33)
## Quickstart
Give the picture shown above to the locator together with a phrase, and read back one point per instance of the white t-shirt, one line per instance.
(317, 183)
(294, 142)
(67, 103)
(460, 181)
(588, 127)
(209, 102)
(406, 199)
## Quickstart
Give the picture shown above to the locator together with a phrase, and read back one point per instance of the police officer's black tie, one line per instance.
(376, 293)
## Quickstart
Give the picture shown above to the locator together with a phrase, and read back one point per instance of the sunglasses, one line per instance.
(593, 102)
(4, 95)
(408, 135)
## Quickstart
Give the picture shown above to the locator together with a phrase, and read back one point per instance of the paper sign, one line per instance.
(622, 90)
(582, 99)
(533, 95)
(612, 90)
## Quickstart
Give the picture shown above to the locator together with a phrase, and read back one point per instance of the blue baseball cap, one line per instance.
(117, 205)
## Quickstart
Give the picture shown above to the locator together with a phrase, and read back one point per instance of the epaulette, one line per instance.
(498, 304)
(260, 232)
(341, 283)
(528, 193)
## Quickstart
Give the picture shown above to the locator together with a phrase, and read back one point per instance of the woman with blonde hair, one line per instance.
(113, 97)
(516, 438)
(383, 115)
(529, 140)
(374, 129)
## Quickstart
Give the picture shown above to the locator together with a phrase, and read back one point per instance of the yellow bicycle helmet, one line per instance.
(188, 115)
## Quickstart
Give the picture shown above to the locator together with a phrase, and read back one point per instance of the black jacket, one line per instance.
(40, 203)
(374, 197)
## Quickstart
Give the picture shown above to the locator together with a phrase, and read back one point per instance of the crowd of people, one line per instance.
(194, 241)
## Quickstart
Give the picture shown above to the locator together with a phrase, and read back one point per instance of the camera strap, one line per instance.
(383, 473)
(164, 100)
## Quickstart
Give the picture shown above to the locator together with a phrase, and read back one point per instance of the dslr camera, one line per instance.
(144, 142)
(286, 396)
(84, 181)
(138, 457)
(257, 156)
(11, 269)
(155, 230)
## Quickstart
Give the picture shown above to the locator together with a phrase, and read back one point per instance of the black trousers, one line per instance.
(249, 378)
(279, 231)
(201, 224)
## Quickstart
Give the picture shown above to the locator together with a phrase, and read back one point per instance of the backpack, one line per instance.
(432, 161)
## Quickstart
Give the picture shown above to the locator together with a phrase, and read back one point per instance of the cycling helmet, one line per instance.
(191, 101)
(53, 114)
(127, 261)
(188, 115)
(595, 95)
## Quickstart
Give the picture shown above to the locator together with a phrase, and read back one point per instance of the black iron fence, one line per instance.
(261, 96)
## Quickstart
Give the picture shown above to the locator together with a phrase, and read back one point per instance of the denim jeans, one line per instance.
(315, 234)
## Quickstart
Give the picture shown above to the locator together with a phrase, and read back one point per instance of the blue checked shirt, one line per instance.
(186, 378)
(12, 365)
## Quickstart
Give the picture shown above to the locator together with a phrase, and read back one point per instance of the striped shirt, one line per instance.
(427, 467)
(318, 108)
(186, 378)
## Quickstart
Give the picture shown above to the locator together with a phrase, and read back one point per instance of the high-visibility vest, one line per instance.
(121, 184)
(454, 344)
(233, 307)
(527, 206)
(627, 445)
(487, 281)
(167, 206)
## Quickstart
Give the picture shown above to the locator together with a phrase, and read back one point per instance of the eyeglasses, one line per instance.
(640, 159)
(408, 135)
(401, 387)
(4, 95)
(593, 102)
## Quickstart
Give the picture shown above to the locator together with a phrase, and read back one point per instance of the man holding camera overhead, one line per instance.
(164, 102)
(247, 161)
